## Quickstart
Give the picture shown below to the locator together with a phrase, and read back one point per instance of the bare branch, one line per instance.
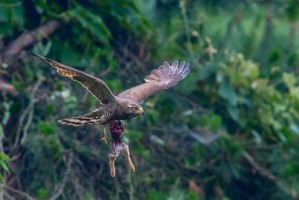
(28, 38)
(27, 196)
(6, 87)
(26, 117)
(261, 170)
(67, 171)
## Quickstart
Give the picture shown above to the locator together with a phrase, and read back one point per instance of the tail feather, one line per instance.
(89, 118)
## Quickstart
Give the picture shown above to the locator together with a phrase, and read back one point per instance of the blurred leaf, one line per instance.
(18, 14)
(289, 79)
(1, 132)
(228, 93)
(4, 159)
(69, 56)
(155, 195)
(141, 150)
(42, 193)
(233, 112)
(91, 22)
(50, 108)
(293, 10)
(133, 134)
(291, 169)
(4, 14)
(46, 128)
(4, 166)
(207, 70)
(5, 29)
(215, 122)
(153, 115)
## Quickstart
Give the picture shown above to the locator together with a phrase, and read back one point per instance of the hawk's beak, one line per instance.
(140, 111)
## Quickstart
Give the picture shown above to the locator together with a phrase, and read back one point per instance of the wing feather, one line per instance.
(95, 86)
(165, 77)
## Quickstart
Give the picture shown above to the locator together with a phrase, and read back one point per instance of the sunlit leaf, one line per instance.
(289, 79)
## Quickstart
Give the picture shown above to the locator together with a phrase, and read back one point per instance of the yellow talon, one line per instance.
(105, 138)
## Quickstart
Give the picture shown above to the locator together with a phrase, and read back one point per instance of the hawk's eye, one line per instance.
(134, 109)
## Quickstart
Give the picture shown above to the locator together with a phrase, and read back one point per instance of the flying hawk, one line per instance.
(126, 104)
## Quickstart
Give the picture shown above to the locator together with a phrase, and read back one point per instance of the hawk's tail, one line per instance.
(89, 118)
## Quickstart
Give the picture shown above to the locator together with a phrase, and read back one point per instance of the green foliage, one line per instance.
(4, 159)
(228, 131)
(42, 193)
(46, 128)
(11, 17)
(91, 22)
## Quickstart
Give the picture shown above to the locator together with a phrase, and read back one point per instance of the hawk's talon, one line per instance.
(105, 139)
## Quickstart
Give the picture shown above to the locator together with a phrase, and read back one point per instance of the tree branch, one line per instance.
(28, 38)
(261, 170)
(64, 180)
(24, 194)
(7, 87)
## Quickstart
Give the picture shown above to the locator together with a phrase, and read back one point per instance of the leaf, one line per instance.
(207, 70)
(69, 56)
(17, 13)
(4, 157)
(294, 128)
(3, 161)
(153, 115)
(203, 120)
(289, 79)
(215, 122)
(91, 22)
(4, 166)
(233, 112)
(249, 69)
(133, 134)
(228, 93)
(4, 14)
(42, 192)
(46, 128)
(1, 131)
(5, 29)
(258, 138)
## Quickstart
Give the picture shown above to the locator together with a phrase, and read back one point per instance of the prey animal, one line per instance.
(125, 105)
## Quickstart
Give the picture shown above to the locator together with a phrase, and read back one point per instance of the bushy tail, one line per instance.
(89, 118)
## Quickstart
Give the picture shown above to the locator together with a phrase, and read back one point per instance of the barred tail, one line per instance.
(89, 118)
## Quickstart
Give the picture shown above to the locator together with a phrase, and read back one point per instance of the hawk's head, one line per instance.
(135, 109)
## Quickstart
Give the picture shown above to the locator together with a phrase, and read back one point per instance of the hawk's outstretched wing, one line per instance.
(165, 77)
(94, 85)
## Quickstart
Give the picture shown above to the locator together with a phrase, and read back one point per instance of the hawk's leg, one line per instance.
(105, 138)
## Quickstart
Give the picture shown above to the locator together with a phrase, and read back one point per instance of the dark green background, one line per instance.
(228, 131)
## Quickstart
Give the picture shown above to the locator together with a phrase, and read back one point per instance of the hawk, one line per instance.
(125, 105)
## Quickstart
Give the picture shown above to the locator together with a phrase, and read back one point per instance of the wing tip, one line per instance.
(178, 70)
(36, 55)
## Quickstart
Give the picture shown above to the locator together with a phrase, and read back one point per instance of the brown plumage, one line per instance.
(126, 104)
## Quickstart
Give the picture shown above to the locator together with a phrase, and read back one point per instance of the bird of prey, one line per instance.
(125, 105)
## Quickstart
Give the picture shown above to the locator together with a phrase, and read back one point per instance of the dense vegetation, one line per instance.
(230, 130)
